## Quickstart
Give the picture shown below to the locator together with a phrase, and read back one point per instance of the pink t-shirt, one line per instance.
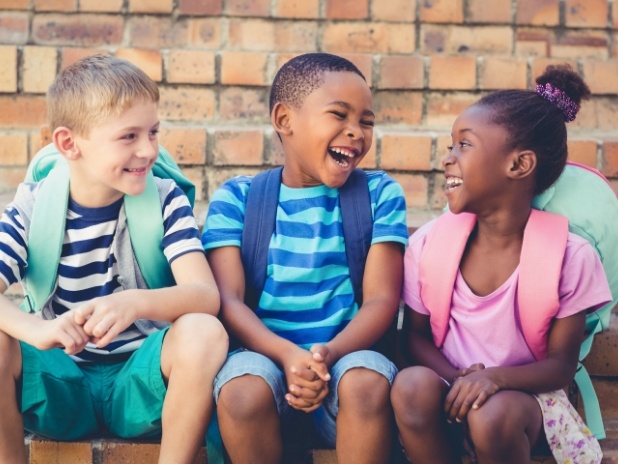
(485, 328)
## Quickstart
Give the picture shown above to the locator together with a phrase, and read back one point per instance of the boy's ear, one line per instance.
(64, 140)
(280, 119)
(523, 164)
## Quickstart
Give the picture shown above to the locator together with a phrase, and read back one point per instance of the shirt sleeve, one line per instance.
(181, 234)
(389, 209)
(226, 214)
(583, 284)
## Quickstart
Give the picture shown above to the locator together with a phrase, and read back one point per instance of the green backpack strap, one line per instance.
(45, 236)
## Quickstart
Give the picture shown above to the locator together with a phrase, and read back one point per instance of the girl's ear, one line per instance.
(64, 140)
(280, 119)
(523, 164)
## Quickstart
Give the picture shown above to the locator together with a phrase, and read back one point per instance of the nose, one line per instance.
(448, 159)
(148, 148)
(354, 131)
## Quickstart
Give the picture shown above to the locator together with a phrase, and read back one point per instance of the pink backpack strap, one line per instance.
(540, 266)
(439, 265)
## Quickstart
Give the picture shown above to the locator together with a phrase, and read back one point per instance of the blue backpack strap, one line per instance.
(357, 221)
(259, 225)
(45, 236)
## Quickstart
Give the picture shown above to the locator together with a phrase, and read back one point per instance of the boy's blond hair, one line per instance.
(91, 90)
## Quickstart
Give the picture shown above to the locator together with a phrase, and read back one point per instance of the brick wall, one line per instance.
(426, 60)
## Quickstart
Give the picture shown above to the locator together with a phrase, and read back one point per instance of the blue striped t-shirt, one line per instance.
(308, 296)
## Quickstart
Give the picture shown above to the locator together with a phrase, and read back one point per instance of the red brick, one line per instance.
(246, 105)
(415, 188)
(400, 107)
(68, 56)
(495, 11)
(305, 9)
(38, 139)
(406, 152)
(581, 44)
(538, 12)
(364, 63)
(247, 7)
(191, 67)
(151, 6)
(609, 165)
(14, 4)
(588, 116)
(601, 76)
(39, 68)
(452, 72)
(370, 160)
(187, 104)
(22, 111)
(473, 40)
(437, 198)
(503, 73)
(394, 11)
(8, 68)
(149, 61)
(273, 151)
(187, 146)
(158, 32)
(196, 175)
(614, 19)
(55, 5)
(97, 6)
(124, 453)
(14, 28)
(10, 178)
(244, 68)
(586, 13)
(583, 151)
(347, 9)
(296, 36)
(533, 42)
(443, 110)
(82, 29)
(238, 147)
(368, 37)
(261, 35)
(204, 33)
(14, 149)
(442, 11)
(401, 72)
(540, 64)
(614, 43)
(44, 451)
(200, 7)
(443, 141)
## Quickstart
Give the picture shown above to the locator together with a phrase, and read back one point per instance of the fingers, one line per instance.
(107, 336)
(83, 313)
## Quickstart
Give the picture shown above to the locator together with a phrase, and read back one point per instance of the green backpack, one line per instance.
(49, 216)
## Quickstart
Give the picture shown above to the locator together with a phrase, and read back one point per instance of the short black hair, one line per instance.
(534, 123)
(303, 74)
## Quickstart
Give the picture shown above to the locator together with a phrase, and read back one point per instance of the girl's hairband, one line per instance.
(560, 99)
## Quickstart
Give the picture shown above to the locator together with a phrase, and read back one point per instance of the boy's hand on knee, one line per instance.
(104, 318)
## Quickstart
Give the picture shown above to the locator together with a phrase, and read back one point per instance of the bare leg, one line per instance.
(418, 402)
(193, 351)
(12, 449)
(249, 421)
(365, 419)
(506, 427)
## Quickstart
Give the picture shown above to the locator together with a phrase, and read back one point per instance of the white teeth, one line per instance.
(342, 163)
(452, 182)
(343, 152)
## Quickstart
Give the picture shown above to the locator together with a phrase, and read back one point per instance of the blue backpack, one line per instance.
(49, 216)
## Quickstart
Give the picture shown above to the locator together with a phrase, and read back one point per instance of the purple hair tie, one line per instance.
(560, 99)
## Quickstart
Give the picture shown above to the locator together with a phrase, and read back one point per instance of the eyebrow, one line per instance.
(347, 106)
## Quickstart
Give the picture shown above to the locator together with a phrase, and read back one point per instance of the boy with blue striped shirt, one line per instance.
(103, 358)
(307, 345)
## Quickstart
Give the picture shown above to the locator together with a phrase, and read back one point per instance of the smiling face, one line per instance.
(477, 168)
(115, 157)
(329, 134)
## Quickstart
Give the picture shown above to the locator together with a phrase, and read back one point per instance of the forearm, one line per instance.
(538, 377)
(15, 322)
(168, 304)
(425, 353)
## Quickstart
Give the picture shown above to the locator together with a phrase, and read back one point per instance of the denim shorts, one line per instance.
(250, 363)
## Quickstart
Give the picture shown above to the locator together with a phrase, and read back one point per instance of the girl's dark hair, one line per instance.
(535, 123)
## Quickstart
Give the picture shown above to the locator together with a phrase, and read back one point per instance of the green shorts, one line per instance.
(65, 400)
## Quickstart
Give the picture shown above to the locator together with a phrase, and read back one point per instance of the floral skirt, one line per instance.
(568, 437)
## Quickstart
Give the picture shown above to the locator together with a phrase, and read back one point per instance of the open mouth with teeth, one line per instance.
(452, 183)
(341, 156)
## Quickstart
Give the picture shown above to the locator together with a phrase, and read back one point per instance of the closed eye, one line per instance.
(339, 114)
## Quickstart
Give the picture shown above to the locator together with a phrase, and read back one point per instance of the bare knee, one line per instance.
(246, 398)
(417, 396)
(198, 336)
(364, 391)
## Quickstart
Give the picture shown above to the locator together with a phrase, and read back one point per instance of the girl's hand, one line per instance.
(468, 370)
(469, 392)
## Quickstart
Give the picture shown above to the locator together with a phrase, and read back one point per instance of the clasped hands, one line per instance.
(307, 376)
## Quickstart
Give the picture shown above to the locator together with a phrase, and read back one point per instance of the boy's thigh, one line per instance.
(325, 418)
(55, 395)
(136, 403)
(250, 363)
